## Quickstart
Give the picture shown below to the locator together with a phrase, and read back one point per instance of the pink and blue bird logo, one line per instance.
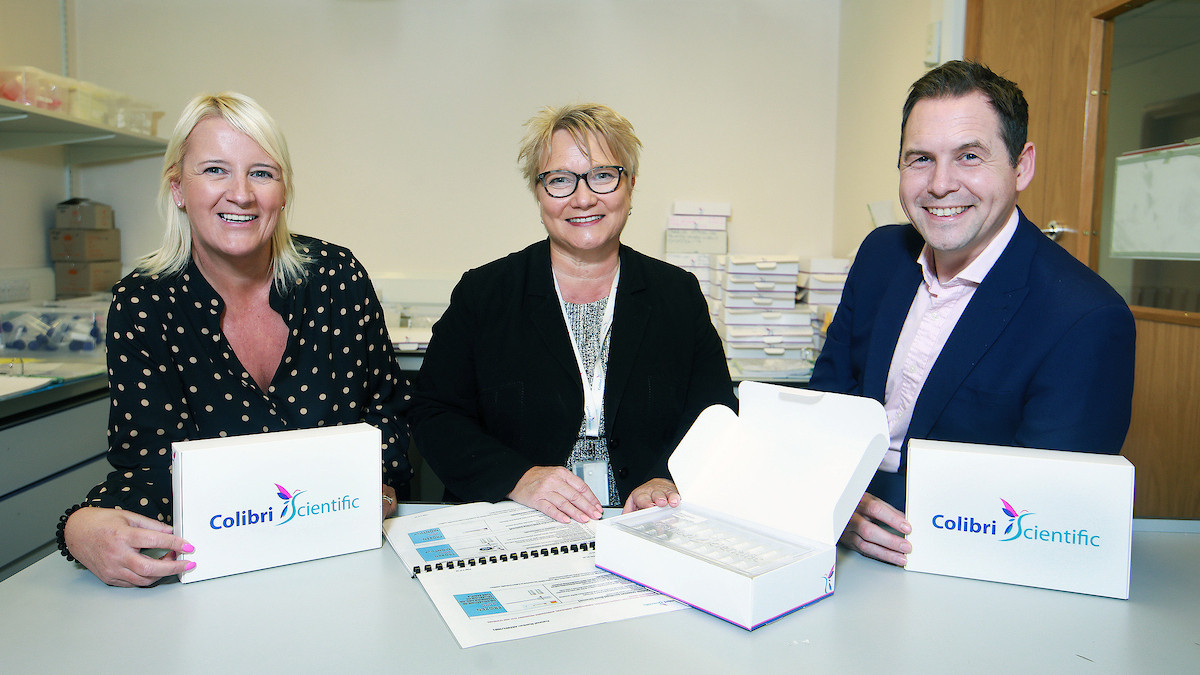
(829, 579)
(1014, 518)
(289, 503)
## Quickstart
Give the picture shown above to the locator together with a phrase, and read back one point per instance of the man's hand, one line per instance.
(868, 531)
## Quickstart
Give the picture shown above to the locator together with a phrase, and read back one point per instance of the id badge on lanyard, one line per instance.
(593, 388)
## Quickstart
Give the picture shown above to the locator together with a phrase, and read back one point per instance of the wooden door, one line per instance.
(1043, 46)
(1056, 51)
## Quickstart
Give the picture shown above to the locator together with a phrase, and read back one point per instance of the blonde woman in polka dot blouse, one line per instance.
(234, 326)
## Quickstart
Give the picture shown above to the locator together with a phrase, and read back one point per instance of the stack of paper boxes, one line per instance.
(757, 314)
(770, 310)
(696, 233)
(85, 247)
(819, 284)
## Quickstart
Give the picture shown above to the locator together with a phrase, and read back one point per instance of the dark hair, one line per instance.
(960, 78)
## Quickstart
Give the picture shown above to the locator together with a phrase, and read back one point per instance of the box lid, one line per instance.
(796, 461)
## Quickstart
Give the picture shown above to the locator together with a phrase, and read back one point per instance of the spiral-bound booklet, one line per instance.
(505, 571)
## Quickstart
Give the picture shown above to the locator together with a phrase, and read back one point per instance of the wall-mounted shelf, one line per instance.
(22, 126)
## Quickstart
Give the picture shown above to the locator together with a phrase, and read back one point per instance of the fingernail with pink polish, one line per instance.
(188, 548)
(191, 565)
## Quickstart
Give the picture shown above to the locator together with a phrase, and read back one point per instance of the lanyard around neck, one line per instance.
(593, 392)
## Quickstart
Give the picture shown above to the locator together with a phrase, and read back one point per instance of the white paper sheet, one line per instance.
(11, 384)
(505, 571)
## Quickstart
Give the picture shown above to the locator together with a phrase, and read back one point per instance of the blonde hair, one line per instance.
(244, 114)
(578, 120)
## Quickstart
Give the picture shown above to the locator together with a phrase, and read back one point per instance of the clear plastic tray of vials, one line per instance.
(717, 541)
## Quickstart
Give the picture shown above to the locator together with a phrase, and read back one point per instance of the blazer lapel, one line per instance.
(544, 314)
(888, 323)
(630, 317)
(988, 313)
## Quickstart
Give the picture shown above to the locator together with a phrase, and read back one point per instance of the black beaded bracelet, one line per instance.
(62, 532)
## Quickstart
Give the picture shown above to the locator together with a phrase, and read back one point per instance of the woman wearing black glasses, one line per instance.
(563, 376)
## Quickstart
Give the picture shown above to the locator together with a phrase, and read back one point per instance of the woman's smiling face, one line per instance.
(584, 224)
(233, 193)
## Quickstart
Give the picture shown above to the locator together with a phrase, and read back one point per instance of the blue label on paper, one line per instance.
(426, 536)
(435, 553)
(480, 604)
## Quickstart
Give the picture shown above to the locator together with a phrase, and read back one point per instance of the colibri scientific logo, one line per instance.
(1021, 526)
(293, 507)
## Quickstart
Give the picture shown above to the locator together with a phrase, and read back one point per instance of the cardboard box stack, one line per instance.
(820, 284)
(698, 228)
(85, 247)
(696, 232)
(758, 316)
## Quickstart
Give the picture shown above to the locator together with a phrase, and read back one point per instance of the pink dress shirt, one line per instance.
(934, 312)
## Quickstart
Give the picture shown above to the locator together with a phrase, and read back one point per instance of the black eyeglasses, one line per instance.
(600, 179)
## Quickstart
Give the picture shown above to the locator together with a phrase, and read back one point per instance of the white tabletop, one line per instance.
(363, 613)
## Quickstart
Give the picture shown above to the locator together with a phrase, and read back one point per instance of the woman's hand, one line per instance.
(109, 542)
(557, 493)
(389, 501)
(654, 492)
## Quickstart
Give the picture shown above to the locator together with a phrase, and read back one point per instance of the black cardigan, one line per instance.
(499, 391)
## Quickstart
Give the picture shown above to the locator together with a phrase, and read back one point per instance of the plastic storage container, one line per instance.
(37, 330)
(30, 86)
(86, 103)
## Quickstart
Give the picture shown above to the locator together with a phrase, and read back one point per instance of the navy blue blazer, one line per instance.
(499, 390)
(1042, 357)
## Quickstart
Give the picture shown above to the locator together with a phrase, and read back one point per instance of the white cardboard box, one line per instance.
(744, 283)
(1045, 518)
(769, 350)
(812, 297)
(760, 333)
(686, 207)
(764, 264)
(821, 282)
(696, 241)
(760, 301)
(696, 222)
(778, 483)
(688, 260)
(825, 265)
(264, 500)
(800, 316)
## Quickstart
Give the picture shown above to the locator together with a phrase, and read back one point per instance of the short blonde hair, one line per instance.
(247, 116)
(578, 120)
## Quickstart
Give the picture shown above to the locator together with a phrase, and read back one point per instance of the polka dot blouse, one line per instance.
(173, 376)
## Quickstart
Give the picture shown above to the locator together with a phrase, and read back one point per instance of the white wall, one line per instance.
(881, 53)
(786, 108)
(403, 116)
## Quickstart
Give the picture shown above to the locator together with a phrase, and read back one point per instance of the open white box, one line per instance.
(1046, 518)
(766, 497)
(264, 500)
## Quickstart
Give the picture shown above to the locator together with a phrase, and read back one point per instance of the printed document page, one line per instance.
(479, 529)
(505, 571)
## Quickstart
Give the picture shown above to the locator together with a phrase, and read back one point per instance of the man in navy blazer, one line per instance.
(969, 324)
